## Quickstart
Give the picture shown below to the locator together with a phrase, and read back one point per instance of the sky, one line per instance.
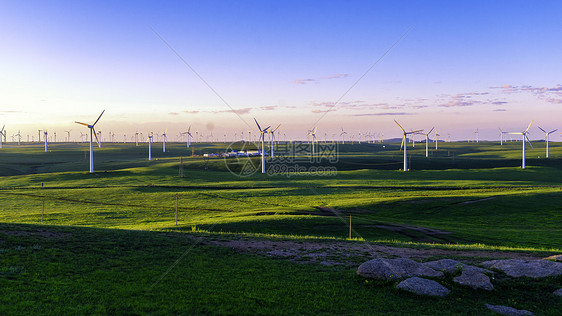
(217, 65)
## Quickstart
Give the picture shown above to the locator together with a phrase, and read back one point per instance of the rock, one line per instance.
(475, 279)
(451, 266)
(389, 269)
(423, 287)
(558, 292)
(506, 310)
(554, 258)
(526, 268)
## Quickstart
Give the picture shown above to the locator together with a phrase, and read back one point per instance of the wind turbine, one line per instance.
(45, 134)
(427, 142)
(19, 139)
(92, 135)
(137, 139)
(164, 138)
(477, 135)
(68, 135)
(405, 146)
(272, 140)
(189, 136)
(436, 139)
(149, 140)
(343, 135)
(525, 138)
(2, 134)
(312, 132)
(262, 136)
(546, 134)
(501, 136)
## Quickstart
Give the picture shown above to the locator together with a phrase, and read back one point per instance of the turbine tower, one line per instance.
(343, 133)
(189, 136)
(312, 132)
(164, 138)
(272, 140)
(262, 136)
(525, 138)
(546, 134)
(19, 139)
(405, 146)
(501, 136)
(92, 135)
(68, 135)
(477, 135)
(45, 134)
(427, 142)
(149, 140)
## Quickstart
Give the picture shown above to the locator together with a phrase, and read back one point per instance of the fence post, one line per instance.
(176, 209)
(42, 211)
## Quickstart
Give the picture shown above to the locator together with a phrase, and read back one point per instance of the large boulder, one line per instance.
(474, 279)
(526, 268)
(506, 310)
(389, 269)
(451, 266)
(423, 287)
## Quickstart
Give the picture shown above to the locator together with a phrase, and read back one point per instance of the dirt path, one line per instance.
(352, 253)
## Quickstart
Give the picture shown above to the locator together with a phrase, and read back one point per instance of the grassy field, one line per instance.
(106, 238)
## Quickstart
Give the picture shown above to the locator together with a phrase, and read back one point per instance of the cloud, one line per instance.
(320, 111)
(336, 76)
(498, 102)
(268, 107)
(237, 111)
(173, 113)
(500, 110)
(384, 114)
(305, 81)
(317, 80)
(555, 101)
(191, 112)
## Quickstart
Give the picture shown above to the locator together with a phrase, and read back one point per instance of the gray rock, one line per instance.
(554, 258)
(506, 310)
(475, 279)
(451, 266)
(526, 268)
(423, 287)
(389, 269)
(558, 292)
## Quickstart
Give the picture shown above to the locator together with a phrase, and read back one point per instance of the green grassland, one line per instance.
(122, 236)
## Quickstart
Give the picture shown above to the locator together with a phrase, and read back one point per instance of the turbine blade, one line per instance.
(528, 141)
(552, 131)
(98, 118)
(189, 129)
(516, 133)
(276, 128)
(82, 123)
(259, 127)
(431, 130)
(541, 129)
(399, 126)
(1, 130)
(403, 139)
(529, 126)
(95, 135)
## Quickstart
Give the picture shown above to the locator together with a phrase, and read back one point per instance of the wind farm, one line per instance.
(280, 158)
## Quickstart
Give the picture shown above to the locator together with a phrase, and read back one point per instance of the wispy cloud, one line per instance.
(173, 113)
(192, 112)
(500, 110)
(317, 80)
(384, 114)
(268, 107)
(305, 81)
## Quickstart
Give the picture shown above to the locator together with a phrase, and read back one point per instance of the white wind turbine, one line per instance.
(546, 134)
(164, 138)
(2, 135)
(312, 132)
(92, 135)
(525, 138)
(136, 138)
(405, 145)
(427, 142)
(45, 135)
(501, 136)
(189, 136)
(272, 140)
(262, 136)
(436, 139)
(343, 133)
(68, 135)
(149, 140)
(19, 139)
(477, 132)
